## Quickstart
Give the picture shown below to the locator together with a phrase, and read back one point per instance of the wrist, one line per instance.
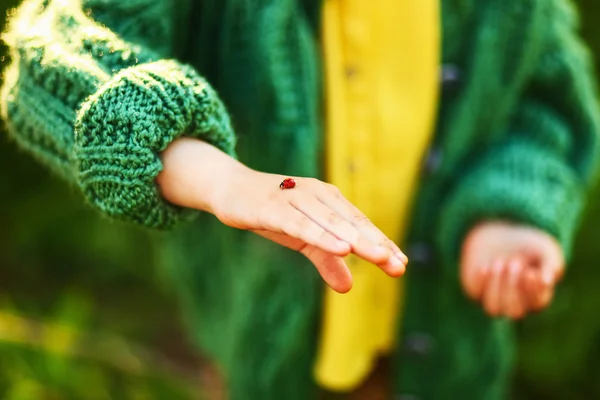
(194, 172)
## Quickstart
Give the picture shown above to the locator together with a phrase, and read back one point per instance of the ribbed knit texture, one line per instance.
(97, 88)
(100, 109)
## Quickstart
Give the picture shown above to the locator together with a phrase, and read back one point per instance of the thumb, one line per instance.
(551, 269)
(548, 272)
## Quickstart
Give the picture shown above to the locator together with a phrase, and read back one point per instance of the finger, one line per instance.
(332, 268)
(513, 302)
(393, 267)
(327, 218)
(474, 279)
(393, 264)
(543, 294)
(293, 223)
(551, 271)
(282, 239)
(491, 295)
(529, 288)
(544, 298)
(371, 235)
(331, 221)
(548, 258)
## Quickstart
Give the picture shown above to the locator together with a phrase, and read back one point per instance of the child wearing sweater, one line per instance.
(190, 115)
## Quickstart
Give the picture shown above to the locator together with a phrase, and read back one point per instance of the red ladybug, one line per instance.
(288, 183)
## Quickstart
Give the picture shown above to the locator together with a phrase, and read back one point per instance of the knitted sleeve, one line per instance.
(99, 104)
(539, 171)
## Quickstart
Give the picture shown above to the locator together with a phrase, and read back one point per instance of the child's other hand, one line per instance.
(510, 269)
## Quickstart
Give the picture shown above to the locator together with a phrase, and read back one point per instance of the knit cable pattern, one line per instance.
(122, 128)
(99, 108)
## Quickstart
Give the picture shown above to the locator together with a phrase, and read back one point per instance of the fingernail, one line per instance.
(402, 257)
(396, 264)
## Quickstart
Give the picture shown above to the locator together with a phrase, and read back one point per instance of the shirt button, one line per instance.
(433, 160)
(451, 78)
(351, 167)
(450, 75)
(350, 71)
(420, 253)
(418, 344)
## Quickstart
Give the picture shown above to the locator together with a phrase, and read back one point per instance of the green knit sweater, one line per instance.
(98, 88)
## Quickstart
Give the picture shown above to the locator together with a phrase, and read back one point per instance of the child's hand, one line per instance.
(511, 269)
(313, 218)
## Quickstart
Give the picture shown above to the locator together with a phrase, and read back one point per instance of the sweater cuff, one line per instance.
(519, 183)
(121, 130)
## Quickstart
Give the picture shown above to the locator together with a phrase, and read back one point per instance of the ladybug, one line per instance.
(288, 183)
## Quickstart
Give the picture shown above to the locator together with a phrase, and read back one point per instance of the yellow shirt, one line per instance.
(381, 70)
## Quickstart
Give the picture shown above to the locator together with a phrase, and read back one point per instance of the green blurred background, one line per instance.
(84, 313)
